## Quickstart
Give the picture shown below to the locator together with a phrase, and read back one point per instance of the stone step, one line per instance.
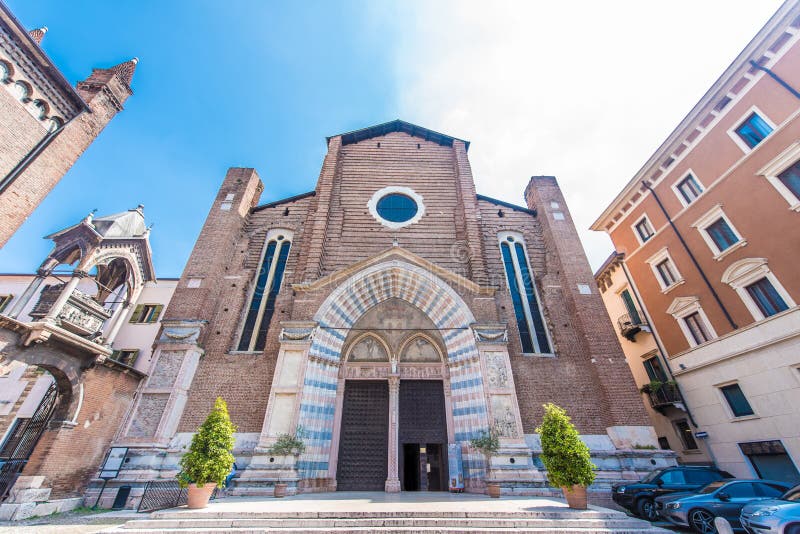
(386, 522)
(399, 530)
(565, 513)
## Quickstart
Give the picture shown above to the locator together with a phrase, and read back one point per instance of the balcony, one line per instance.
(630, 325)
(663, 395)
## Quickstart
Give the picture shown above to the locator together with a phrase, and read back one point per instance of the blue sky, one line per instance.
(533, 85)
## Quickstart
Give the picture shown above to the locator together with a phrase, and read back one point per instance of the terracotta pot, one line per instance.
(493, 490)
(280, 490)
(576, 497)
(198, 496)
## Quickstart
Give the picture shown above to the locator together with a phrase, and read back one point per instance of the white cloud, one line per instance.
(585, 91)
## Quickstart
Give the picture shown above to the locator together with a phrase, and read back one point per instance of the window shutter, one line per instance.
(137, 313)
(156, 313)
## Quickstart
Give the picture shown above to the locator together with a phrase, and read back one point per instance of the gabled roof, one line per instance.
(127, 224)
(397, 126)
(507, 205)
(283, 201)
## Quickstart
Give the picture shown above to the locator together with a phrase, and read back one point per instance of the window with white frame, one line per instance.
(751, 129)
(664, 270)
(757, 286)
(643, 229)
(522, 286)
(783, 173)
(738, 404)
(263, 295)
(688, 188)
(692, 320)
(718, 232)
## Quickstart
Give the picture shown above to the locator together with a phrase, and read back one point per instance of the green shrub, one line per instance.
(209, 457)
(289, 445)
(488, 443)
(564, 455)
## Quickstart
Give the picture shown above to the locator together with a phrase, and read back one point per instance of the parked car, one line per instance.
(773, 516)
(724, 498)
(639, 497)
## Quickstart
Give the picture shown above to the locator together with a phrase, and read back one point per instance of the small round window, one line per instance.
(397, 207)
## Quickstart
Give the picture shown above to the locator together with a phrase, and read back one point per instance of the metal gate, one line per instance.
(23, 439)
(161, 494)
(364, 439)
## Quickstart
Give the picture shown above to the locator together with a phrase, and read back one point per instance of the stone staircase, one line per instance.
(542, 521)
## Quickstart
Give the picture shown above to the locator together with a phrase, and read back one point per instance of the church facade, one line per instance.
(386, 318)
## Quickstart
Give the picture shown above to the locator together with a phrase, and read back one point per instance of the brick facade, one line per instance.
(342, 262)
(46, 129)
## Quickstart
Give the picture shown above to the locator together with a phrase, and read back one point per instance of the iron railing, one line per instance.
(631, 324)
(161, 494)
(9, 472)
(20, 444)
(666, 395)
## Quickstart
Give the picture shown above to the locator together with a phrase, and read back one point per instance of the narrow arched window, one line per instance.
(527, 311)
(268, 283)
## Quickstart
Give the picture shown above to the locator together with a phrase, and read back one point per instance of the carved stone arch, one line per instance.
(106, 256)
(406, 353)
(339, 313)
(65, 371)
(381, 349)
(70, 254)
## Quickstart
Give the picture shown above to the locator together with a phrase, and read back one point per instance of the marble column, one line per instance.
(392, 479)
(69, 288)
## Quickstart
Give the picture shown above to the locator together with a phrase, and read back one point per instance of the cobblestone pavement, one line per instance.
(83, 522)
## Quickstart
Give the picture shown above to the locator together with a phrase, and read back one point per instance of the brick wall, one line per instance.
(69, 457)
(104, 92)
(590, 334)
(589, 376)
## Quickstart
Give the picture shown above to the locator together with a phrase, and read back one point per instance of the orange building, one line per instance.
(710, 232)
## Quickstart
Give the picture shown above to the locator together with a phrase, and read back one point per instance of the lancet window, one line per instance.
(527, 311)
(268, 283)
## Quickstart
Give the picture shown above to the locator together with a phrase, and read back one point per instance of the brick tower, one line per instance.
(45, 123)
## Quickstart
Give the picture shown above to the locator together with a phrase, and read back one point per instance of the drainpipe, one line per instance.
(694, 260)
(777, 78)
(661, 350)
(31, 156)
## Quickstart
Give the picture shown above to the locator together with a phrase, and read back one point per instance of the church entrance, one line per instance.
(422, 436)
(364, 437)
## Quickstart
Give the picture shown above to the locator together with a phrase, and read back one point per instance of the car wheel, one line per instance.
(792, 529)
(646, 508)
(702, 521)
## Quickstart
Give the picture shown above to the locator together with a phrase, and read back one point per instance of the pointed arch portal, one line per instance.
(326, 372)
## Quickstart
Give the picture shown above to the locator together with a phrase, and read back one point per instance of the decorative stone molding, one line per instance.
(297, 331)
(490, 333)
(183, 332)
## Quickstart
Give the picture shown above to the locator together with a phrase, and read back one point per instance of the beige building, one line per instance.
(651, 371)
(710, 231)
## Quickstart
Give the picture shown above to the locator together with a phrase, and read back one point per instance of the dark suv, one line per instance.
(638, 496)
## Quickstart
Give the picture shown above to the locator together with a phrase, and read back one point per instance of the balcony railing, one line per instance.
(665, 395)
(630, 325)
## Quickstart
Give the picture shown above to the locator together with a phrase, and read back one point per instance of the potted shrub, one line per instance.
(488, 443)
(565, 456)
(287, 445)
(208, 460)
